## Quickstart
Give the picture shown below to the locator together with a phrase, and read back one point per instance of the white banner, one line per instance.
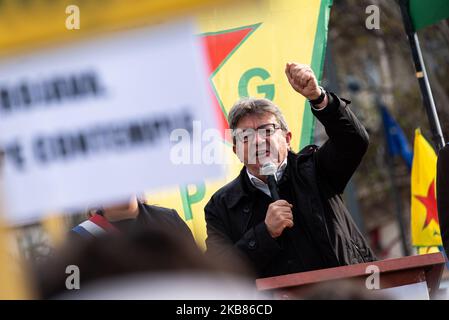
(89, 123)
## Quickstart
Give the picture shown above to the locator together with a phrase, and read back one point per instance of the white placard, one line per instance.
(89, 123)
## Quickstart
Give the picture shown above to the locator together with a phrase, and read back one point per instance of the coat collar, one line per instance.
(238, 189)
(241, 187)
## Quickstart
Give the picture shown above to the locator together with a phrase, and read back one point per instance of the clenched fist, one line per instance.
(279, 216)
(303, 80)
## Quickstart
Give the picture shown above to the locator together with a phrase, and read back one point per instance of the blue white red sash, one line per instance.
(96, 226)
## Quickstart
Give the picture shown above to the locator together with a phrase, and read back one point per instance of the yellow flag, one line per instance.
(424, 214)
(247, 46)
(427, 250)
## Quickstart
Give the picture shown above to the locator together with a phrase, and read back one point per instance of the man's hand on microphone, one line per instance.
(279, 216)
(303, 80)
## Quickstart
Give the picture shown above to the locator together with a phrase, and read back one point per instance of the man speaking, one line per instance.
(284, 212)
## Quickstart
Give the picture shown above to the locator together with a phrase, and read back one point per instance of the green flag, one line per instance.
(427, 12)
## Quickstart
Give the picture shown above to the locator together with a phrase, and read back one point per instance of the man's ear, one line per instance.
(234, 149)
(288, 139)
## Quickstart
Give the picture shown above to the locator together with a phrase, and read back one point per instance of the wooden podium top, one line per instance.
(393, 273)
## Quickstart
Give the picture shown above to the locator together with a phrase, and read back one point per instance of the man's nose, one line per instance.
(259, 138)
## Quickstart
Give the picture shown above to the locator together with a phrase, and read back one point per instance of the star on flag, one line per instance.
(430, 202)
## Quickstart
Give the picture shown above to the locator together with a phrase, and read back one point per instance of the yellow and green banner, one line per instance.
(424, 214)
(247, 46)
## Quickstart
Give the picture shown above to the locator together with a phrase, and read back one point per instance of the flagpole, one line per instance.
(421, 74)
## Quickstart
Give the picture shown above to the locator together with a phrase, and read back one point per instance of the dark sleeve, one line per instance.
(348, 141)
(443, 195)
(255, 246)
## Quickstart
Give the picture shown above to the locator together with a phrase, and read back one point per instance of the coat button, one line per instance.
(246, 210)
(252, 244)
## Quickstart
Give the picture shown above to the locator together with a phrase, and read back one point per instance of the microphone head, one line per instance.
(268, 169)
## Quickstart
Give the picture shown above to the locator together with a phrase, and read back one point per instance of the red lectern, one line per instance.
(393, 273)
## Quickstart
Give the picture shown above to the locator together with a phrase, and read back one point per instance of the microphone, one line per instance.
(443, 195)
(269, 169)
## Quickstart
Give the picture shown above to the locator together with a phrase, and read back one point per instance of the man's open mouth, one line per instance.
(263, 153)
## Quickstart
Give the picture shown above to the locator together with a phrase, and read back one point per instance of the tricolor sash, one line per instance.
(96, 226)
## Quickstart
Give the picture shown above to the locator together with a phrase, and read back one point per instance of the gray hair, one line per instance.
(248, 106)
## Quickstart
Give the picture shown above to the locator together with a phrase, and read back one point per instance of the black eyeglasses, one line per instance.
(264, 131)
